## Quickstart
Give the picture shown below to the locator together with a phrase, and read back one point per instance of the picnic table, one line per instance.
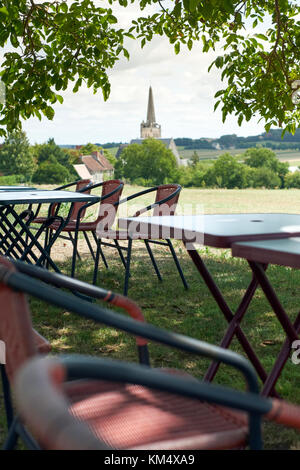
(18, 239)
(222, 231)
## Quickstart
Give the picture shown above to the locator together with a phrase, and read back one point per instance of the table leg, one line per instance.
(233, 320)
(291, 329)
(17, 239)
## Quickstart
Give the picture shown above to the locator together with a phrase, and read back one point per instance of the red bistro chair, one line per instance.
(80, 186)
(166, 198)
(22, 342)
(110, 197)
(93, 403)
(129, 406)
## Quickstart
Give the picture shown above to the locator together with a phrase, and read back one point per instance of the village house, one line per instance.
(97, 166)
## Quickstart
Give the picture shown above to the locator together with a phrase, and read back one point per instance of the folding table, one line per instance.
(16, 188)
(284, 252)
(17, 238)
(221, 231)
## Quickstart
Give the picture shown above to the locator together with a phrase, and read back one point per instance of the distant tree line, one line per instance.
(147, 164)
(255, 168)
(271, 139)
(46, 163)
(151, 163)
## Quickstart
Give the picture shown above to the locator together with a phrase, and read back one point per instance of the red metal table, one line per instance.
(284, 252)
(221, 231)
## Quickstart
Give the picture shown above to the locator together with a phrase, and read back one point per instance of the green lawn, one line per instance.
(191, 312)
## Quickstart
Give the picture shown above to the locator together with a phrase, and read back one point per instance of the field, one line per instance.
(191, 312)
(283, 155)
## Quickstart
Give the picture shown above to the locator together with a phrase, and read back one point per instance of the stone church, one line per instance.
(151, 129)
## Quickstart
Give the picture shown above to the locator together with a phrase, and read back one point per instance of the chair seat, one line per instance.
(128, 416)
(39, 220)
(71, 226)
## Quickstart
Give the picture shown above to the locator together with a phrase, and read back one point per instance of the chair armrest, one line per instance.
(80, 366)
(24, 283)
(75, 285)
(92, 186)
(153, 205)
(140, 193)
(284, 413)
(45, 410)
(66, 185)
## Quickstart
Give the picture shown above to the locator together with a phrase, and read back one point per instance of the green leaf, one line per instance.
(112, 19)
(3, 11)
(49, 113)
(177, 47)
(261, 36)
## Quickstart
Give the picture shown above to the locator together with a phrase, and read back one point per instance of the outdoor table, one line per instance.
(221, 231)
(284, 252)
(16, 188)
(17, 238)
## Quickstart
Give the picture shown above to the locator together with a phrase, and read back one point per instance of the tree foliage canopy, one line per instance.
(16, 157)
(149, 163)
(55, 43)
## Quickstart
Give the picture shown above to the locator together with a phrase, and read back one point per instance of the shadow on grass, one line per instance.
(193, 312)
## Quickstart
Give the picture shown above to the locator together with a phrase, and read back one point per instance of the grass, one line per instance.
(193, 312)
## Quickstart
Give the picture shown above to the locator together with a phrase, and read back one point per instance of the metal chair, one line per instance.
(166, 198)
(129, 406)
(41, 345)
(111, 193)
(80, 186)
(119, 405)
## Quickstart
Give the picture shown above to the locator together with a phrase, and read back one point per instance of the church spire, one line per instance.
(150, 111)
(150, 128)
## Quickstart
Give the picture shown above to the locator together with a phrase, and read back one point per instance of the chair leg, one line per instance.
(100, 249)
(48, 236)
(7, 397)
(12, 436)
(177, 264)
(89, 245)
(150, 252)
(127, 271)
(74, 254)
(72, 240)
(120, 253)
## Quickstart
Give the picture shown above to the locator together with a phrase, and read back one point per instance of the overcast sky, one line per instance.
(183, 99)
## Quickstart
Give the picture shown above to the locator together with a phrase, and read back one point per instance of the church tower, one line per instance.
(150, 128)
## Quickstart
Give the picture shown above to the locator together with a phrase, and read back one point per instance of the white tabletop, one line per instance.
(43, 196)
(285, 252)
(16, 188)
(217, 230)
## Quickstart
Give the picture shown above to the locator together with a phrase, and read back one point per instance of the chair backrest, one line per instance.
(81, 184)
(110, 197)
(166, 191)
(15, 324)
